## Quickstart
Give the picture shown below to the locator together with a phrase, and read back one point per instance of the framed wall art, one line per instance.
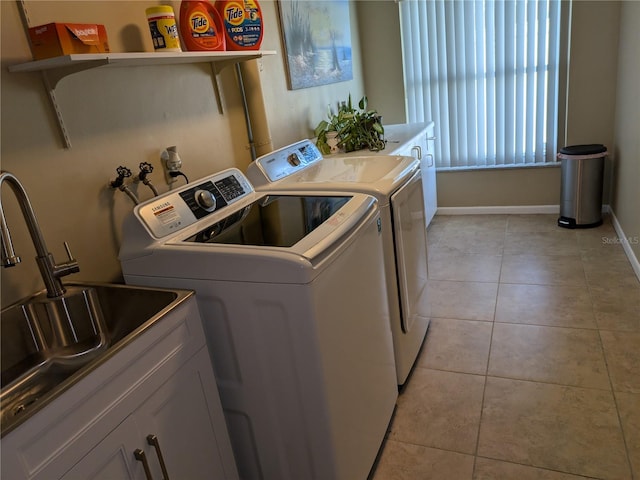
(317, 42)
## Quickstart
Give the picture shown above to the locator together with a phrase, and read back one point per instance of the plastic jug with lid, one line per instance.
(201, 26)
(242, 23)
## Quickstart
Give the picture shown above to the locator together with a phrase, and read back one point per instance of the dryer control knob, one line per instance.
(205, 200)
(293, 160)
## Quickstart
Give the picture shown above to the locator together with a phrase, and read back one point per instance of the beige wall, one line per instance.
(382, 58)
(123, 116)
(593, 72)
(503, 187)
(626, 198)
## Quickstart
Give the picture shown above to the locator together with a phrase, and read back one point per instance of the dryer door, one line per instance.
(410, 240)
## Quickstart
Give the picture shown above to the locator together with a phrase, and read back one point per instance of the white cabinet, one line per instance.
(416, 140)
(172, 425)
(156, 398)
(111, 458)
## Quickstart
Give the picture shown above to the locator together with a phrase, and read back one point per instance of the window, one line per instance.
(487, 73)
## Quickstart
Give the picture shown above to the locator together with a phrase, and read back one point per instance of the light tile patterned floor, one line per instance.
(531, 367)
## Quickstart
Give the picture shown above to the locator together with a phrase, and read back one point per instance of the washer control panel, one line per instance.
(177, 209)
(287, 160)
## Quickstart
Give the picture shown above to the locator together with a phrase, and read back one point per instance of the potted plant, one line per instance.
(355, 128)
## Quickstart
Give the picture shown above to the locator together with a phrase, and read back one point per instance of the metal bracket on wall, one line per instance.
(51, 79)
(215, 70)
(54, 103)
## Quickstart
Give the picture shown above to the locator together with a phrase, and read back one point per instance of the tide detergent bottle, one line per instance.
(201, 26)
(242, 23)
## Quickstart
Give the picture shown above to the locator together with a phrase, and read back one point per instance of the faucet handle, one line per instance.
(68, 267)
(66, 247)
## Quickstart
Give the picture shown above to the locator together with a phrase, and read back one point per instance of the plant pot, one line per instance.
(332, 141)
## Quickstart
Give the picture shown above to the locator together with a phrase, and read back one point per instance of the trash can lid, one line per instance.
(584, 149)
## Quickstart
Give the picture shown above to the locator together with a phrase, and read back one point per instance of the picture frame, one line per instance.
(316, 41)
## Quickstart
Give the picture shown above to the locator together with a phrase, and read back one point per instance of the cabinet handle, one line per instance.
(419, 150)
(153, 441)
(431, 138)
(431, 158)
(141, 457)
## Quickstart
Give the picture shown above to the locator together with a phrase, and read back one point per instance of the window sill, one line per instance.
(499, 167)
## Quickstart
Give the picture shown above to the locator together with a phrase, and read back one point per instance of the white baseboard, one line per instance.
(626, 245)
(499, 210)
(506, 210)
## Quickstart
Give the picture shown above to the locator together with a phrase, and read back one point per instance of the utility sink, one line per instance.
(48, 344)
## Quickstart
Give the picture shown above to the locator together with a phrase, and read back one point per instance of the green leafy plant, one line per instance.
(356, 128)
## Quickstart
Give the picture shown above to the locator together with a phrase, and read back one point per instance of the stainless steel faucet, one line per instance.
(51, 273)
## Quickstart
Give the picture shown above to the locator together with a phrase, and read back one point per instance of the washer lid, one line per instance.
(272, 221)
(374, 174)
(312, 234)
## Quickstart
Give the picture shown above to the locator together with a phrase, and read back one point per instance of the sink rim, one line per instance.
(9, 424)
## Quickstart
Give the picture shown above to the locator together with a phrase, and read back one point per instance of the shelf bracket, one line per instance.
(216, 87)
(57, 74)
(54, 104)
(51, 78)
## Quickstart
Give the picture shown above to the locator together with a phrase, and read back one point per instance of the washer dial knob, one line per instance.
(205, 199)
(293, 160)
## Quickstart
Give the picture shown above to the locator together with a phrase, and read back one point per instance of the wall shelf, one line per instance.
(60, 67)
(55, 69)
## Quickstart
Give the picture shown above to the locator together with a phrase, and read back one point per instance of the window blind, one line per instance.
(487, 73)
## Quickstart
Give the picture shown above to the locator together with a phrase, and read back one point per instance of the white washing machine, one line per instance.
(293, 302)
(397, 184)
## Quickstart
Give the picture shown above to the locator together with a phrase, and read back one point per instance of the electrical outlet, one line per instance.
(172, 163)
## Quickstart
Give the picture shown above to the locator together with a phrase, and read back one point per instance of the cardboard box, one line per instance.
(55, 39)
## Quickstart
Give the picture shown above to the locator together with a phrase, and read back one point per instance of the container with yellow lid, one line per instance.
(163, 28)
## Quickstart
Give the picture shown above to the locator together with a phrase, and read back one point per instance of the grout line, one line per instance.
(541, 382)
(615, 402)
(486, 371)
(540, 468)
(431, 447)
(550, 326)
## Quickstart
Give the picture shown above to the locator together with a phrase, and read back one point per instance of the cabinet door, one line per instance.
(186, 418)
(111, 458)
(420, 150)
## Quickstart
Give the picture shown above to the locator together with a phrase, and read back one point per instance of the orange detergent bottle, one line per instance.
(201, 26)
(242, 23)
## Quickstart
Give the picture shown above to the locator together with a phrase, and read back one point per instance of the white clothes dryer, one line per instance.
(293, 303)
(396, 182)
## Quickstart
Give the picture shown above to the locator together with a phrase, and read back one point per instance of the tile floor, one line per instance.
(531, 366)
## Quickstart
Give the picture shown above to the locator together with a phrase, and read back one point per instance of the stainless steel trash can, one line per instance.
(582, 172)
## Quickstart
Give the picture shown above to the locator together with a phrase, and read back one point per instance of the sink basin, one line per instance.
(48, 344)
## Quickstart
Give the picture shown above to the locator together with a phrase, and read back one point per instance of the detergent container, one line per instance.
(163, 28)
(242, 23)
(201, 26)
